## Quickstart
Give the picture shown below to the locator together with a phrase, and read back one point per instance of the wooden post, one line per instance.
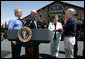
(32, 52)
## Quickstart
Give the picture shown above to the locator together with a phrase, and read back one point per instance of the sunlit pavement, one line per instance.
(44, 50)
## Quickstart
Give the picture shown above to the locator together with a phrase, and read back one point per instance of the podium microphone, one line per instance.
(30, 23)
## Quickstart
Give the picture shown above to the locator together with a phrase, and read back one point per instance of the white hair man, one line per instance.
(31, 23)
(31, 20)
(15, 24)
(33, 13)
(69, 32)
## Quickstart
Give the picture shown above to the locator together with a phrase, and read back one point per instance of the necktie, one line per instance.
(55, 33)
(19, 18)
(35, 24)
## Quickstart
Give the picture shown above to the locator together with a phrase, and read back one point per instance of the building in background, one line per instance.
(43, 17)
(43, 13)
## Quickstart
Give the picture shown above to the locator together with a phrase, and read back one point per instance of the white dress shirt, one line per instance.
(51, 27)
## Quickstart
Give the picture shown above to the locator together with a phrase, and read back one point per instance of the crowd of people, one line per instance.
(4, 28)
(42, 24)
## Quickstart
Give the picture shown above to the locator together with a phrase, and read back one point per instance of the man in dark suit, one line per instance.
(32, 51)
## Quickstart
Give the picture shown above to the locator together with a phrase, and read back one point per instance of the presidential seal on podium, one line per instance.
(24, 34)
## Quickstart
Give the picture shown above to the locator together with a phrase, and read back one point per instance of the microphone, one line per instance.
(30, 23)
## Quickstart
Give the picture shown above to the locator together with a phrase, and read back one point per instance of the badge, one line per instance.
(24, 34)
(56, 9)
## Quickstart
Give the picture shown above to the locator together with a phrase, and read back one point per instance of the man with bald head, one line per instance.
(31, 21)
(32, 51)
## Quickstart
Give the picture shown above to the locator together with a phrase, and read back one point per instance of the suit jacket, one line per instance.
(51, 27)
(30, 23)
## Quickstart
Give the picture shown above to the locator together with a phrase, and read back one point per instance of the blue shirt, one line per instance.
(14, 24)
(70, 27)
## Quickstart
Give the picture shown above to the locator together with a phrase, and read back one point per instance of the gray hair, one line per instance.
(33, 11)
(15, 10)
(71, 10)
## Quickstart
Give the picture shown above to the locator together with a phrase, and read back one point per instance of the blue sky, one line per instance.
(7, 7)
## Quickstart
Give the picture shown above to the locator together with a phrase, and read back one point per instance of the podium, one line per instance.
(38, 36)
